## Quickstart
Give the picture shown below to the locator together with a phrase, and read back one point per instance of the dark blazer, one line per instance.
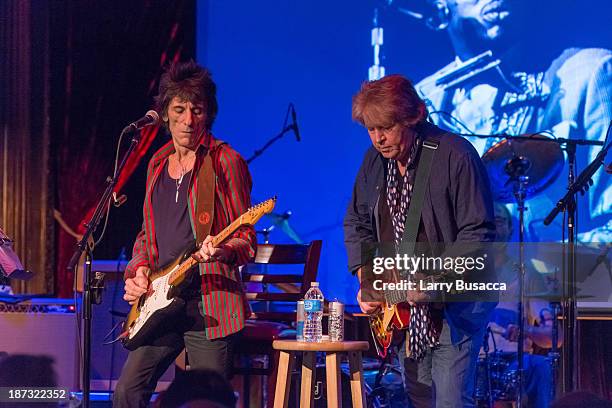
(458, 207)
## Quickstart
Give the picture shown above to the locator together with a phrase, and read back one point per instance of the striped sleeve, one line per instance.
(237, 179)
(140, 253)
(139, 256)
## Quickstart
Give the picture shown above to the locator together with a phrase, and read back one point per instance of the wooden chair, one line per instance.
(273, 297)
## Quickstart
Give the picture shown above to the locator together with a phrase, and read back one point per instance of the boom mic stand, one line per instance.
(516, 169)
(568, 204)
(553, 354)
(286, 128)
(82, 246)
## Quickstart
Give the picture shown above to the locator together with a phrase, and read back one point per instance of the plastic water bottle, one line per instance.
(313, 307)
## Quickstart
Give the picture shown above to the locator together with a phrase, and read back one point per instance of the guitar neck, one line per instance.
(181, 270)
(227, 231)
(396, 296)
(250, 217)
(189, 263)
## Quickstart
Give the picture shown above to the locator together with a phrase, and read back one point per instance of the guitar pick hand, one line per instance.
(367, 307)
(136, 286)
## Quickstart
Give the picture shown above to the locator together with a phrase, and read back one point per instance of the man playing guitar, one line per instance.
(457, 207)
(196, 186)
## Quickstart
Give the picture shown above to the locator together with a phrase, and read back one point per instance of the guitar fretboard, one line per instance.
(250, 217)
(189, 263)
(396, 296)
(393, 297)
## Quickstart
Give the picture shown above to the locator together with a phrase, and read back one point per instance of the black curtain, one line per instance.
(105, 61)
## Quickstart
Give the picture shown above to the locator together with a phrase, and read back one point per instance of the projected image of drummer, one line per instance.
(504, 79)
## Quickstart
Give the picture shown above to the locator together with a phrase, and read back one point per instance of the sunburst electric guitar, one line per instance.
(394, 314)
(161, 300)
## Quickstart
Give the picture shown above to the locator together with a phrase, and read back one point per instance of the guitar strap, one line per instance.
(413, 218)
(205, 193)
(421, 331)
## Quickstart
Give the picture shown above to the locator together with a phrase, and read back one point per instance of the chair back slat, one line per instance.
(276, 297)
(274, 316)
(288, 287)
(269, 278)
(281, 254)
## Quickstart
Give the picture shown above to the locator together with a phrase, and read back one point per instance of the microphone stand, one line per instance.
(583, 181)
(520, 195)
(516, 169)
(81, 247)
(553, 354)
(286, 128)
(568, 203)
(259, 152)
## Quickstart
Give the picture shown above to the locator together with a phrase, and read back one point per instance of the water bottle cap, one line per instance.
(314, 284)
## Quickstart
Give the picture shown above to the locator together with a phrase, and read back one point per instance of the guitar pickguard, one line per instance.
(383, 324)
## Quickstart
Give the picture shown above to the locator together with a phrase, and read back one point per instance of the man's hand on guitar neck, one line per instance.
(136, 286)
(208, 253)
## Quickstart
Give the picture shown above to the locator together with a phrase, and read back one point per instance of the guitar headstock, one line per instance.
(253, 214)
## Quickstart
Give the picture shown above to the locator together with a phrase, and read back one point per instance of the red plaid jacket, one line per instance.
(224, 304)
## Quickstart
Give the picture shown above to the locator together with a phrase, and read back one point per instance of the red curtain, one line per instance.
(146, 139)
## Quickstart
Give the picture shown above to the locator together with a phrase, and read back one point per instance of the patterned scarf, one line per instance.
(421, 331)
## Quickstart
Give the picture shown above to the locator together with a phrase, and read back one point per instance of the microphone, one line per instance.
(150, 118)
(296, 130)
(118, 201)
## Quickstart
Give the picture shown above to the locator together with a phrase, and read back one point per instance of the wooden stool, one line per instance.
(287, 350)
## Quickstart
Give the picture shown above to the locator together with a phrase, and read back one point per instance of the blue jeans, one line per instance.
(445, 377)
(537, 380)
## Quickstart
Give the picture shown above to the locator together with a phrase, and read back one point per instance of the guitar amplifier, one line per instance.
(43, 327)
(49, 327)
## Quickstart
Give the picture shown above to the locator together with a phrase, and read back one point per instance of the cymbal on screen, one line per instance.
(532, 156)
(282, 221)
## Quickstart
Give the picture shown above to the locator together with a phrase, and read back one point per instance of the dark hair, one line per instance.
(189, 82)
(198, 385)
(386, 101)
